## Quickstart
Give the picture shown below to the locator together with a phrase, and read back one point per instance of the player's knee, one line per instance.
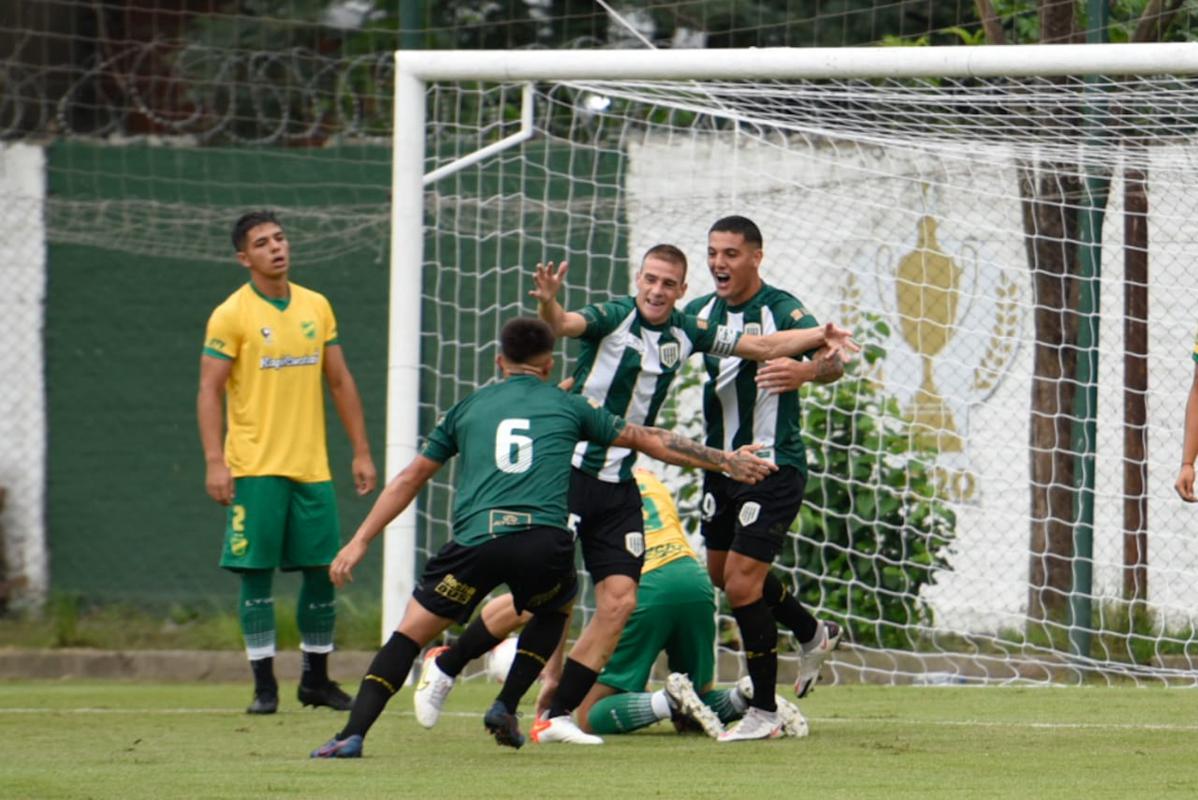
(742, 590)
(617, 607)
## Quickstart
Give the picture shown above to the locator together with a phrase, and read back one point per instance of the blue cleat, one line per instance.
(503, 725)
(349, 747)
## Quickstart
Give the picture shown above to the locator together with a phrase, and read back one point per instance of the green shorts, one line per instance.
(279, 523)
(675, 612)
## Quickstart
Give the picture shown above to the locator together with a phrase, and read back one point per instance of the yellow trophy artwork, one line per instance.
(927, 288)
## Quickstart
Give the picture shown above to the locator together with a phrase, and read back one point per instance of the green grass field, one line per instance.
(116, 740)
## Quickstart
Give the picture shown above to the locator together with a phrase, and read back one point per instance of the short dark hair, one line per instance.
(667, 253)
(742, 225)
(247, 222)
(524, 338)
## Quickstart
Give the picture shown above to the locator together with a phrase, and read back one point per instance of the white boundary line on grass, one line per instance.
(948, 723)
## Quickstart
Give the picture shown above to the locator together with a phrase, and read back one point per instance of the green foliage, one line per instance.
(873, 530)
(1021, 20)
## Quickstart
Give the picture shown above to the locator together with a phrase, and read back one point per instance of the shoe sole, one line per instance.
(694, 708)
(505, 736)
(775, 734)
(536, 733)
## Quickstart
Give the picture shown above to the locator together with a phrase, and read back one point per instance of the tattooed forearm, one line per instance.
(702, 455)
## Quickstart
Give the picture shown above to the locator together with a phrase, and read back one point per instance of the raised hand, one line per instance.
(839, 343)
(549, 281)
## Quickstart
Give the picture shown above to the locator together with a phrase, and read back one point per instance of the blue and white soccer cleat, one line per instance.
(349, 747)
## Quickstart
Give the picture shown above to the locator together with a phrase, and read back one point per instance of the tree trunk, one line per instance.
(1052, 227)
(1135, 385)
(1052, 223)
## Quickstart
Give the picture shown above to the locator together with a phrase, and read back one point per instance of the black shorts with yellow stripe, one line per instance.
(537, 565)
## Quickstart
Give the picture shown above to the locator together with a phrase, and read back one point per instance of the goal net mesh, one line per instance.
(1004, 399)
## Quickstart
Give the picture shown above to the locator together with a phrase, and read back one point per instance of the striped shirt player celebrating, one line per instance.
(516, 439)
(744, 527)
(632, 349)
(266, 351)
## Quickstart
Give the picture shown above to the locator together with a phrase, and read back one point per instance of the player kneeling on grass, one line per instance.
(509, 521)
(675, 613)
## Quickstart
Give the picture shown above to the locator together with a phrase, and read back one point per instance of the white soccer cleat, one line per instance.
(755, 724)
(431, 691)
(811, 660)
(685, 701)
(560, 729)
(793, 722)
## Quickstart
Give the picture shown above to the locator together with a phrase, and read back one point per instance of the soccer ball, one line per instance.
(499, 659)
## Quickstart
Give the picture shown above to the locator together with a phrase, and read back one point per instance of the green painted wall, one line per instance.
(127, 515)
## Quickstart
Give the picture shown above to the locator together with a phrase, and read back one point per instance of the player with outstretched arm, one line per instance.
(516, 438)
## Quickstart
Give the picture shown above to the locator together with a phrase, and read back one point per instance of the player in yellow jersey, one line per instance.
(267, 351)
(675, 613)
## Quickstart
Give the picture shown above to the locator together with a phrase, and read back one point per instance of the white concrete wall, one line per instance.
(837, 219)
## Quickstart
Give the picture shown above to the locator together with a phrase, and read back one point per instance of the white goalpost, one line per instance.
(1008, 228)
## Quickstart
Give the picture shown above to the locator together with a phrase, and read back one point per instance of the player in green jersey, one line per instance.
(675, 613)
(632, 348)
(516, 439)
(744, 528)
(267, 351)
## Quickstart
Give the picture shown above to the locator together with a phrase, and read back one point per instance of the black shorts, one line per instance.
(536, 564)
(751, 520)
(607, 518)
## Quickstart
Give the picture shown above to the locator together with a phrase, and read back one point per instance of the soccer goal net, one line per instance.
(1009, 230)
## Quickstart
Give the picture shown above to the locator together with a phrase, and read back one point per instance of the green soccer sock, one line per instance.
(316, 611)
(722, 702)
(622, 713)
(256, 611)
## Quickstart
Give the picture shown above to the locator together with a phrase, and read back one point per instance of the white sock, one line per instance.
(739, 702)
(661, 704)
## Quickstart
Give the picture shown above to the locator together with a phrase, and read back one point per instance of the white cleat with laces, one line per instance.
(794, 724)
(755, 724)
(431, 691)
(812, 659)
(560, 729)
(685, 701)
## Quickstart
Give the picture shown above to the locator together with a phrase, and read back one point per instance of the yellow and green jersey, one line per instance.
(664, 539)
(275, 396)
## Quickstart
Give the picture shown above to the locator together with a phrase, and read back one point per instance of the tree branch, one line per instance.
(991, 24)
(1155, 21)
